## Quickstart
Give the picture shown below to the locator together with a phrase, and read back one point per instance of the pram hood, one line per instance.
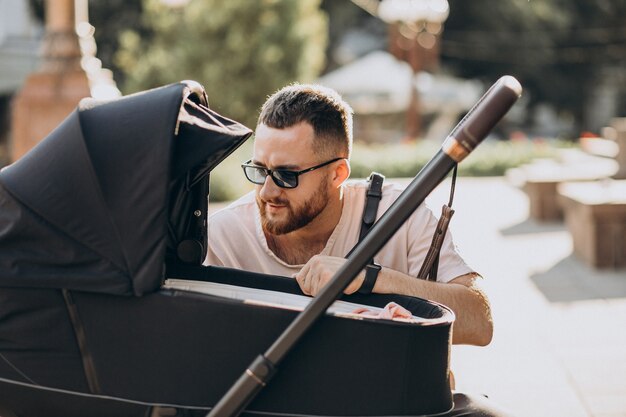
(89, 208)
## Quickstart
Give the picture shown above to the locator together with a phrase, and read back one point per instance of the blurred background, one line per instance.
(410, 68)
(541, 204)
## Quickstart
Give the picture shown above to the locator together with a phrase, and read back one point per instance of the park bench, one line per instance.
(595, 215)
(540, 179)
(595, 212)
(597, 159)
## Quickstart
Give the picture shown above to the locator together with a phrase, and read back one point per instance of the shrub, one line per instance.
(491, 158)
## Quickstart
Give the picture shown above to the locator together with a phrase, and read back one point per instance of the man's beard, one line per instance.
(297, 218)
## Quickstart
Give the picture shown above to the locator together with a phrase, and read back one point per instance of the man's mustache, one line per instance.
(278, 202)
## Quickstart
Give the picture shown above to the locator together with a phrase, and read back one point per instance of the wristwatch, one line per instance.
(371, 274)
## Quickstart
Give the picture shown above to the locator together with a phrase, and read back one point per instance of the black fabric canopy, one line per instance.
(90, 207)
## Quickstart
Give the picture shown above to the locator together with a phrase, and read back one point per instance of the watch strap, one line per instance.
(371, 275)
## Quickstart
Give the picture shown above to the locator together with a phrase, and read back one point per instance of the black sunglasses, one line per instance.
(284, 178)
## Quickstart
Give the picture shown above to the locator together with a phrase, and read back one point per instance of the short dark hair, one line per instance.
(321, 107)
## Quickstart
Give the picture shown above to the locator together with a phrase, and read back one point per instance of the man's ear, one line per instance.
(341, 173)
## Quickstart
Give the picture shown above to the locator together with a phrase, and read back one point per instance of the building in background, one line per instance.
(378, 87)
(20, 40)
(67, 72)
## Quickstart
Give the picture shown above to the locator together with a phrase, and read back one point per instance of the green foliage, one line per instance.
(4, 154)
(240, 50)
(557, 49)
(111, 18)
(227, 179)
(398, 160)
(491, 158)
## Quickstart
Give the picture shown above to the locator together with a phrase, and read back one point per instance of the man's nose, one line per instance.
(269, 189)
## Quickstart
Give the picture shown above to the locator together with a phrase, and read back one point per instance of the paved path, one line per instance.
(559, 348)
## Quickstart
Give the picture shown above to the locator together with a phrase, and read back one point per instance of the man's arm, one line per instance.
(463, 295)
(473, 324)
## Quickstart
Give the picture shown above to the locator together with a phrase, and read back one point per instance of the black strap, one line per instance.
(372, 198)
(81, 338)
(430, 266)
(371, 275)
(374, 194)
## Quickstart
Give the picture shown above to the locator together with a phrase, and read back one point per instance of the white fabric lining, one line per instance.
(272, 298)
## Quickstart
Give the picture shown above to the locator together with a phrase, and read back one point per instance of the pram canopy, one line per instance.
(96, 204)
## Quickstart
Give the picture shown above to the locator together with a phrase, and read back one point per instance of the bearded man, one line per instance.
(304, 217)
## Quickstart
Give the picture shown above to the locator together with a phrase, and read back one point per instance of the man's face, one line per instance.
(285, 210)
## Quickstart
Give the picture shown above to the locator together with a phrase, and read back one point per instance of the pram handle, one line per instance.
(469, 132)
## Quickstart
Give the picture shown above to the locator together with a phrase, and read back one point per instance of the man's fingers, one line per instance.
(304, 280)
(317, 272)
(301, 278)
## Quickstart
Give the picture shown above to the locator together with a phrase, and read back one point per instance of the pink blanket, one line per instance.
(390, 311)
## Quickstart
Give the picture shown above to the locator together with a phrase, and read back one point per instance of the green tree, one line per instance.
(111, 18)
(559, 50)
(240, 50)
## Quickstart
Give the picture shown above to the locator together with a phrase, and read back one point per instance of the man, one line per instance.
(303, 217)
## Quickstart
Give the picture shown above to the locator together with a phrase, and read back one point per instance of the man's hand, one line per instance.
(319, 271)
(473, 323)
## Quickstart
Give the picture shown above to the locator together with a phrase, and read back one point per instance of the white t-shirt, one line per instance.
(236, 238)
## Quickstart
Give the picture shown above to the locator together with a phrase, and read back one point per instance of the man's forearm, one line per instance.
(473, 323)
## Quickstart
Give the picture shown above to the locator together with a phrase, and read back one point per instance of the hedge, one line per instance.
(492, 158)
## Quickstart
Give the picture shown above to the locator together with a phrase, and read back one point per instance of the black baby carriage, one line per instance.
(105, 308)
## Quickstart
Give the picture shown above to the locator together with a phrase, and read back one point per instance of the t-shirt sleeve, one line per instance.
(212, 258)
(227, 237)
(233, 238)
(215, 236)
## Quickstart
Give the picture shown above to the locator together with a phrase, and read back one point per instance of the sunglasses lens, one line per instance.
(282, 178)
(255, 175)
(285, 179)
